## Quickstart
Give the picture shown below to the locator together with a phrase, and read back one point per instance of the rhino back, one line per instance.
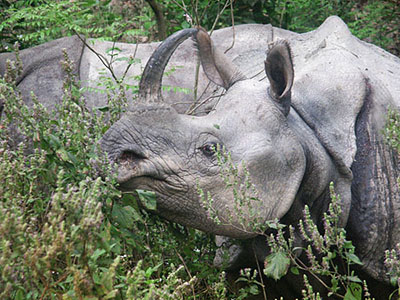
(42, 71)
(374, 222)
(351, 127)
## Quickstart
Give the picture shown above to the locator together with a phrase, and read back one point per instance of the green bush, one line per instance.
(68, 233)
(34, 22)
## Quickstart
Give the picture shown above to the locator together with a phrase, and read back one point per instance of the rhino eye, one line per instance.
(209, 149)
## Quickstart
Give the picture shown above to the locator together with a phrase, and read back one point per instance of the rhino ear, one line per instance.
(279, 70)
(218, 68)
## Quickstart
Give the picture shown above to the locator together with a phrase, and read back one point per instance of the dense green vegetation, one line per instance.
(32, 22)
(66, 233)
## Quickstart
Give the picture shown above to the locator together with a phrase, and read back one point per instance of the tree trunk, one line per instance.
(162, 28)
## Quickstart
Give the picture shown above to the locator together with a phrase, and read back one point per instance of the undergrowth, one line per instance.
(68, 232)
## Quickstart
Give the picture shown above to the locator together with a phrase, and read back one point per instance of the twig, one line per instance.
(204, 10)
(219, 15)
(103, 59)
(47, 287)
(129, 65)
(187, 270)
(233, 29)
(112, 52)
(184, 9)
(282, 13)
(196, 13)
(194, 107)
(259, 272)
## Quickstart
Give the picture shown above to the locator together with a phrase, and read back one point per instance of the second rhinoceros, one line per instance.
(315, 118)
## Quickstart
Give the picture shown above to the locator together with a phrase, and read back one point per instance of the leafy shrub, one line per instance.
(377, 22)
(392, 129)
(70, 234)
(329, 256)
(35, 22)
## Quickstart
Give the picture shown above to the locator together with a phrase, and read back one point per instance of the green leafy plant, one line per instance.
(323, 253)
(70, 234)
(392, 262)
(392, 129)
(237, 180)
(32, 23)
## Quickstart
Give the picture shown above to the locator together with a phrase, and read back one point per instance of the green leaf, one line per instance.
(254, 290)
(97, 253)
(54, 141)
(129, 199)
(96, 278)
(148, 199)
(122, 59)
(147, 25)
(331, 255)
(74, 229)
(62, 153)
(335, 283)
(19, 295)
(69, 279)
(242, 279)
(134, 32)
(295, 270)
(112, 50)
(72, 158)
(353, 292)
(276, 265)
(125, 215)
(393, 280)
(354, 279)
(275, 225)
(353, 258)
(216, 126)
(112, 294)
(348, 245)
(185, 25)
(150, 270)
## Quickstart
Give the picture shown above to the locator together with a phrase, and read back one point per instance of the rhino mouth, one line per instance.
(135, 170)
(131, 164)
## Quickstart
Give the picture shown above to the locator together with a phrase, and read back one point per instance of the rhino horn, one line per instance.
(217, 66)
(279, 70)
(150, 83)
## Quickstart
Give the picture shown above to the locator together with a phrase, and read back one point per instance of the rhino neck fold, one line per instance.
(320, 171)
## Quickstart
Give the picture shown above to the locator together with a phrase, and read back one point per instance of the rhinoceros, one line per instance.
(294, 112)
(315, 118)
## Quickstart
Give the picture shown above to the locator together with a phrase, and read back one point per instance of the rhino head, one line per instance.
(175, 155)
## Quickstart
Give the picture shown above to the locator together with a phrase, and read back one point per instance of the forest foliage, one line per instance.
(67, 233)
(33, 22)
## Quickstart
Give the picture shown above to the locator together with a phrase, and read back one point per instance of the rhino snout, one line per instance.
(127, 163)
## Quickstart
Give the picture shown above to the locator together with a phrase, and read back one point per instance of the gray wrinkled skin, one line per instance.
(341, 91)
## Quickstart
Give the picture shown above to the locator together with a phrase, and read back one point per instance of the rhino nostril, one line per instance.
(132, 163)
(130, 157)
